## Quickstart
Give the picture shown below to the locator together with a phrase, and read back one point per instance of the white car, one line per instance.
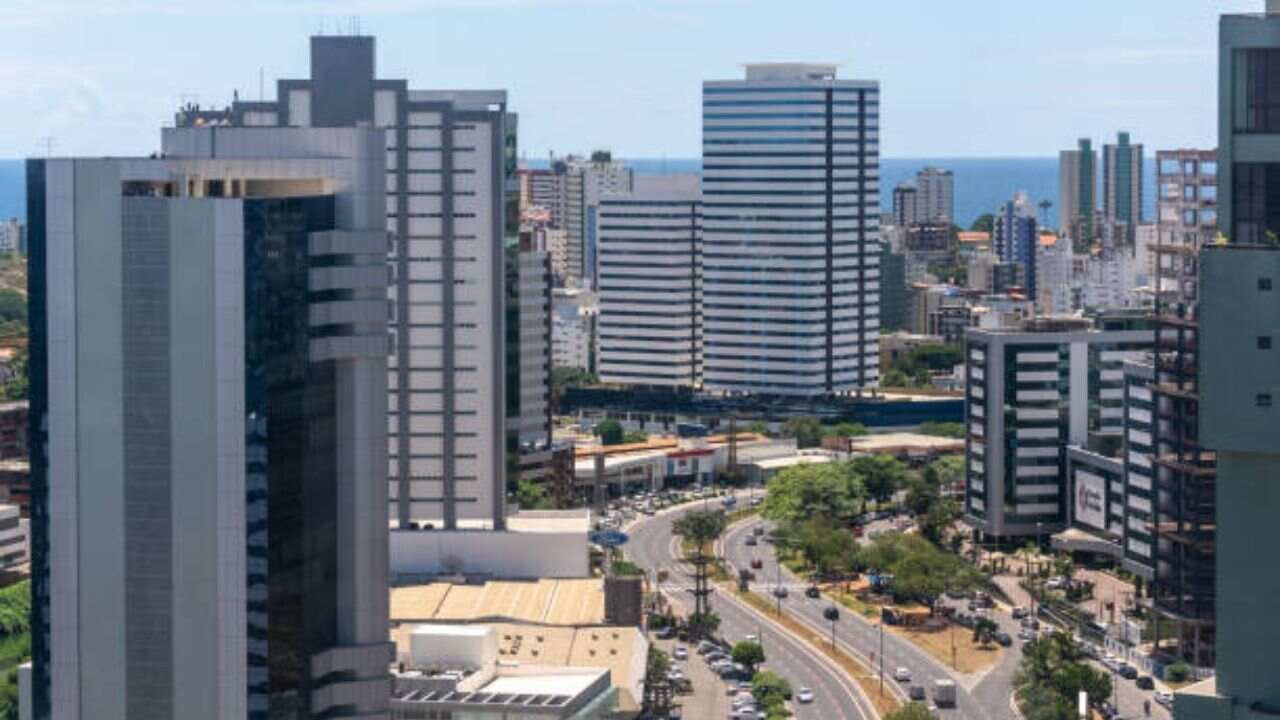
(1164, 697)
(804, 695)
(902, 674)
(680, 653)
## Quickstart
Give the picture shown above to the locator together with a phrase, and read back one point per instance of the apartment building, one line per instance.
(1031, 392)
(1122, 182)
(1015, 237)
(450, 187)
(1077, 188)
(936, 200)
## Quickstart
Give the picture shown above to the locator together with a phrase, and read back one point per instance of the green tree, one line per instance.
(749, 653)
(846, 429)
(625, 568)
(531, 495)
(770, 689)
(19, 383)
(984, 630)
(701, 527)
(759, 427)
(882, 475)
(1051, 674)
(634, 436)
(704, 625)
(610, 432)
(895, 378)
(984, 223)
(806, 430)
(942, 429)
(945, 471)
(940, 516)
(829, 490)
(911, 711)
(824, 546)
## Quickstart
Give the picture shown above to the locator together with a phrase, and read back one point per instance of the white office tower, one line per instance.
(650, 283)
(791, 251)
(446, 189)
(209, 359)
(935, 196)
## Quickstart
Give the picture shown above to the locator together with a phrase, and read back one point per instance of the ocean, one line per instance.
(982, 184)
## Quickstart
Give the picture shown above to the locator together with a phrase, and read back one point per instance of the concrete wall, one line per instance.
(500, 554)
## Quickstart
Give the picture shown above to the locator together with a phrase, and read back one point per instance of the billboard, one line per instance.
(1091, 500)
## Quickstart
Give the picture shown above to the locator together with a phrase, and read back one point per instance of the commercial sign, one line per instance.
(1091, 500)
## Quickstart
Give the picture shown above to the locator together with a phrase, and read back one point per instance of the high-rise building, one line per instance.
(583, 182)
(1015, 237)
(790, 232)
(1077, 184)
(1231, 520)
(936, 200)
(208, 397)
(906, 200)
(1054, 277)
(1031, 392)
(528, 347)
(1122, 180)
(650, 283)
(450, 157)
(893, 291)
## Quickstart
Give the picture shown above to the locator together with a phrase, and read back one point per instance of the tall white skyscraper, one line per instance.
(450, 154)
(650, 322)
(582, 182)
(791, 218)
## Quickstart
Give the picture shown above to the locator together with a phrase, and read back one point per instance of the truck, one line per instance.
(944, 693)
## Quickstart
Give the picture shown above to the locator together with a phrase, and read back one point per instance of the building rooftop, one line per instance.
(550, 602)
(792, 461)
(898, 442)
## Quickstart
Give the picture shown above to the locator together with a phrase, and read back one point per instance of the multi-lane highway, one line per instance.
(985, 698)
(836, 696)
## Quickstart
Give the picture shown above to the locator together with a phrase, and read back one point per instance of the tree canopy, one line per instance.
(806, 430)
(846, 429)
(882, 475)
(749, 653)
(701, 526)
(984, 223)
(772, 691)
(1053, 671)
(829, 490)
(610, 432)
(942, 429)
(921, 572)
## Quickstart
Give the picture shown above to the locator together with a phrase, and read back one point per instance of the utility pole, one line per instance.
(882, 656)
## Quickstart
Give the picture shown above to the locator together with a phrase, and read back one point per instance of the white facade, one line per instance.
(650, 283)
(573, 328)
(1054, 278)
(791, 249)
(11, 235)
(584, 181)
(935, 196)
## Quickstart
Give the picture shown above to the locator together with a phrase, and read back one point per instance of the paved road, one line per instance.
(836, 697)
(988, 699)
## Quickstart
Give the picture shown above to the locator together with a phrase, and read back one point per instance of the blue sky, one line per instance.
(959, 78)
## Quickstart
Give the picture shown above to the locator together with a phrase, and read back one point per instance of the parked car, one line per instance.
(751, 541)
(757, 530)
(665, 633)
(1019, 613)
(1144, 682)
(756, 563)
(1128, 672)
(680, 653)
(1164, 697)
(1003, 638)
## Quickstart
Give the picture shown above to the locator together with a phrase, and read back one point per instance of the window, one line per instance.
(1264, 342)
(1255, 202)
(1209, 168)
(1209, 192)
(1188, 192)
(1264, 284)
(1169, 166)
(1189, 218)
(1188, 167)
(1257, 90)
(1262, 400)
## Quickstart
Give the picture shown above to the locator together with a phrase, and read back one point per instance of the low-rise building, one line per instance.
(535, 543)
(914, 447)
(573, 328)
(480, 672)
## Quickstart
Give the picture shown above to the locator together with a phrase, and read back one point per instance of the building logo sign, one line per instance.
(1091, 499)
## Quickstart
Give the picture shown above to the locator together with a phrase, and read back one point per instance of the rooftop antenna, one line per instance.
(48, 141)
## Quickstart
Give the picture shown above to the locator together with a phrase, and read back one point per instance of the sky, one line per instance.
(959, 78)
